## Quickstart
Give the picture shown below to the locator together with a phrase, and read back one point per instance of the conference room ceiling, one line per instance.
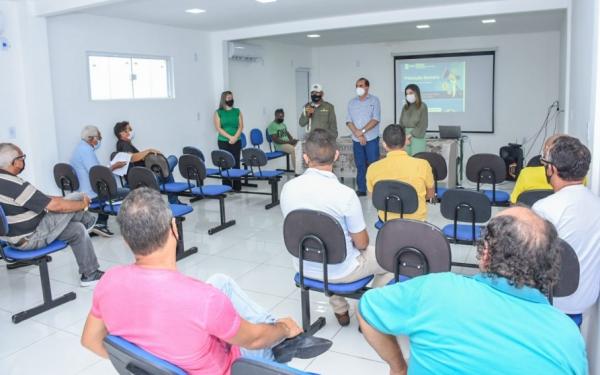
(231, 14)
(447, 28)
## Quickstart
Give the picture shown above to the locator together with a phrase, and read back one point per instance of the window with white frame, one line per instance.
(129, 77)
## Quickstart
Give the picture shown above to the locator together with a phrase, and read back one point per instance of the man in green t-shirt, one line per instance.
(281, 137)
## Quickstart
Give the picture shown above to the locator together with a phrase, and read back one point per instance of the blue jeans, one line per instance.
(172, 160)
(246, 308)
(363, 157)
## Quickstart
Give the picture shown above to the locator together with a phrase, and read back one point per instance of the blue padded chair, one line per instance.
(255, 366)
(192, 168)
(529, 197)
(196, 152)
(411, 248)
(66, 178)
(225, 161)
(244, 140)
(128, 358)
(396, 197)
(462, 205)
(37, 257)
(256, 158)
(273, 154)
(158, 164)
(438, 168)
(256, 138)
(140, 176)
(104, 185)
(488, 169)
(315, 236)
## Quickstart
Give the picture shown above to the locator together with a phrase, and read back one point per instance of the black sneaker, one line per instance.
(92, 279)
(102, 230)
(301, 346)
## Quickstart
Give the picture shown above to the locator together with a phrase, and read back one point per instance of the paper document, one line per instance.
(121, 156)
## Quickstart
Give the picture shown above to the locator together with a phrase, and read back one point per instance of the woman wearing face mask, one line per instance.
(414, 119)
(229, 124)
(125, 135)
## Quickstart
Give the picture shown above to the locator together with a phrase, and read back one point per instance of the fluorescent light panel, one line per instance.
(313, 36)
(489, 20)
(266, 1)
(195, 11)
(423, 26)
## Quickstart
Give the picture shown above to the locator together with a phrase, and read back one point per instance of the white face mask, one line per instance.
(411, 98)
(360, 91)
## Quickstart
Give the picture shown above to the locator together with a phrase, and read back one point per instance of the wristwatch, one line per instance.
(363, 130)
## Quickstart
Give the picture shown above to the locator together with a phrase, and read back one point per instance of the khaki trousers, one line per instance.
(291, 150)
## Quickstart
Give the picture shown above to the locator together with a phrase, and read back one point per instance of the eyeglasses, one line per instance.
(20, 157)
(545, 161)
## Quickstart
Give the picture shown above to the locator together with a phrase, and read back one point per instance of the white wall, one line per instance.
(583, 15)
(165, 124)
(527, 79)
(261, 87)
(25, 95)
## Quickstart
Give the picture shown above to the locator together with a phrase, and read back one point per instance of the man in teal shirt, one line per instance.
(496, 322)
(281, 136)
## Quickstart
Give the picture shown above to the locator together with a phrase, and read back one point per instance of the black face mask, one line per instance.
(229, 103)
(315, 98)
(279, 120)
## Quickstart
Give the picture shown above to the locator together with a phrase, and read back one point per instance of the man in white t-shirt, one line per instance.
(573, 209)
(319, 189)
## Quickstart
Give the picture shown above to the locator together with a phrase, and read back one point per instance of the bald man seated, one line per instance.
(496, 322)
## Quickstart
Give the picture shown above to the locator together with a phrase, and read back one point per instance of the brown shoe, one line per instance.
(343, 319)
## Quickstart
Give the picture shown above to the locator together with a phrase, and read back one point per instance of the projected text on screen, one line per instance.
(442, 84)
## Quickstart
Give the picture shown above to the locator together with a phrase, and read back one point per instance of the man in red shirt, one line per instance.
(200, 327)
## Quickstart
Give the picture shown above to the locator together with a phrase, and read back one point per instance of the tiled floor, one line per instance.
(252, 252)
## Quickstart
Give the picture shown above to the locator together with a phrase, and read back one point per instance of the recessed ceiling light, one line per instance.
(313, 36)
(489, 20)
(195, 11)
(266, 1)
(424, 26)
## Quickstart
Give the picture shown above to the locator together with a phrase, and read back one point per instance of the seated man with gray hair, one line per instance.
(201, 327)
(82, 160)
(36, 219)
(498, 321)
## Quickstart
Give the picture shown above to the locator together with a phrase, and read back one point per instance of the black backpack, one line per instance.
(513, 158)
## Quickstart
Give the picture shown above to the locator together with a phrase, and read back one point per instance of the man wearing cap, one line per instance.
(319, 114)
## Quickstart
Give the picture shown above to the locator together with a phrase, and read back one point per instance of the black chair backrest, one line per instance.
(222, 159)
(249, 366)
(193, 151)
(412, 248)
(485, 169)
(66, 178)
(529, 197)
(568, 280)
(318, 234)
(128, 359)
(142, 177)
(254, 157)
(158, 164)
(192, 168)
(437, 162)
(463, 205)
(395, 196)
(535, 161)
(102, 181)
(112, 155)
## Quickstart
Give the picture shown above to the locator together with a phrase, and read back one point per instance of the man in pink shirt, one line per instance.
(200, 327)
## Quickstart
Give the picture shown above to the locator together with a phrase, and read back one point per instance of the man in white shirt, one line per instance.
(319, 189)
(573, 209)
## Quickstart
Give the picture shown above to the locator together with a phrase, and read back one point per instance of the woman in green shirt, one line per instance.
(229, 124)
(414, 119)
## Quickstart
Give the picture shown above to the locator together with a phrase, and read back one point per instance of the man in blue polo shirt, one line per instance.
(364, 114)
(82, 160)
(496, 322)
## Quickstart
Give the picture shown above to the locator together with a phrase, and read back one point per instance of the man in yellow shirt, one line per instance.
(398, 165)
(530, 178)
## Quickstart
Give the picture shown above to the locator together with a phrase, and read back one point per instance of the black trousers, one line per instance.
(236, 150)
